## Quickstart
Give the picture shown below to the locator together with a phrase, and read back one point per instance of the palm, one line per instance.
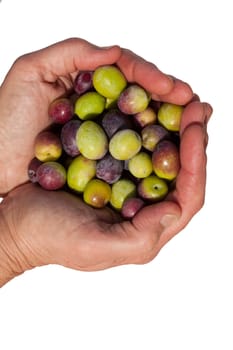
(24, 125)
(74, 234)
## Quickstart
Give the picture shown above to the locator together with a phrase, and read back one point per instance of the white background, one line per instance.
(182, 299)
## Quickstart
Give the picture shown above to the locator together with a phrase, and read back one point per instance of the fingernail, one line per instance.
(108, 47)
(209, 111)
(206, 140)
(195, 98)
(168, 220)
(171, 78)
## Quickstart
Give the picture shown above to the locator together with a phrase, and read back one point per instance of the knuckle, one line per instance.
(22, 60)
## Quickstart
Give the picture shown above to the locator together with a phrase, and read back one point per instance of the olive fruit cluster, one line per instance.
(109, 143)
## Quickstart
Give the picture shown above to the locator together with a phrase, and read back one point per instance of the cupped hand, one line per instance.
(49, 227)
(36, 79)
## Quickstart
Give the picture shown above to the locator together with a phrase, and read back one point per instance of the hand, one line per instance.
(37, 79)
(75, 235)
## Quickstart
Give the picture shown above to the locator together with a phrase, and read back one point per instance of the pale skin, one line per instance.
(39, 227)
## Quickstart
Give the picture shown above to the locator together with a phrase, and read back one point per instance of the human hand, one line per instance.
(76, 235)
(38, 78)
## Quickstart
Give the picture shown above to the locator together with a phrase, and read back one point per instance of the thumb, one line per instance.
(157, 217)
(160, 221)
(70, 55)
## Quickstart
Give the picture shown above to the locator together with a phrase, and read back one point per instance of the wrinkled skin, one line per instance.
(39, 227)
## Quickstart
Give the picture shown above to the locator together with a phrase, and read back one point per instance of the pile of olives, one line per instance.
(109, 143)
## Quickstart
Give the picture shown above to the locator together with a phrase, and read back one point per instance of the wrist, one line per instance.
(10, 262)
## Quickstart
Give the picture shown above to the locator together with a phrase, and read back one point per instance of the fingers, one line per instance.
(136, 69)
(69, 56)
(64, 58)
(155, 225)
(195, 112)
(180, 94)
(191, 181)
(162, 87)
